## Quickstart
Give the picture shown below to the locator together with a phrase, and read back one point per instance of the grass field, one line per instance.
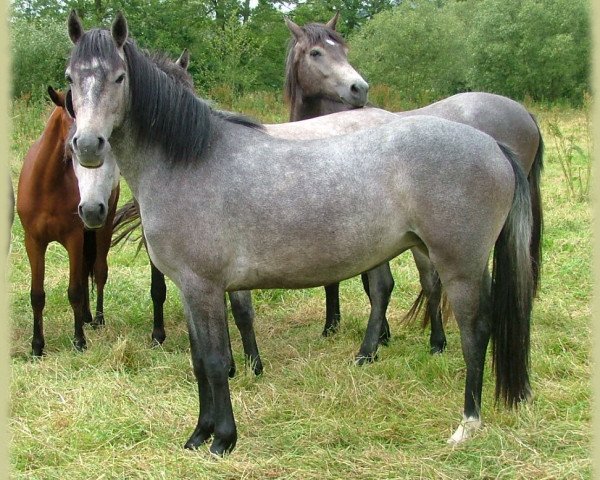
(123, 409)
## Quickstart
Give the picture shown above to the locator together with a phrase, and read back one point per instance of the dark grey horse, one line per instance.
(315, 54)
(227, 207)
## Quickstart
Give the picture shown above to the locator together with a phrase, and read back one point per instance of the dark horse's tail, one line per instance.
(536, 208)
(512, 294)
(127, 220)
(89, 254)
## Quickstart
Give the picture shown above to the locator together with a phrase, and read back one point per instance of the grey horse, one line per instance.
(227, 207)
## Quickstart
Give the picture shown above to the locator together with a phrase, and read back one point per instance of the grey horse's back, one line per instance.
(506, 120)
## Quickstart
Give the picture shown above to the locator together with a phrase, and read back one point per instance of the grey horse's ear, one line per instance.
(295, 29)
(184, 60)
(119, 30)
(333, 22)
(75, 27)
(56, 97)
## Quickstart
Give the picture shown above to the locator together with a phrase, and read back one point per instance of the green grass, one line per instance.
(124, 409)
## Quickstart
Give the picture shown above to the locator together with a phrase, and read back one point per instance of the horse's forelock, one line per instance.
(96, 44)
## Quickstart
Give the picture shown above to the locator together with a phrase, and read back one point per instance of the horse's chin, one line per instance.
(93, 226)
(90, 162)
(351, 104)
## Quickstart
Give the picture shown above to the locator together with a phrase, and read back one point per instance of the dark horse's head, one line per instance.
(317, 66)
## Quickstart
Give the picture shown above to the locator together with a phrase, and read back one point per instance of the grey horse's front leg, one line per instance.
(243, 314)
(381, 284)
(211, 357)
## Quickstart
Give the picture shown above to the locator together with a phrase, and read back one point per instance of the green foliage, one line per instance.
(224, 58)
(39, 53)
(417, 48)
(572, 151)
(533, 48)
(423, 50)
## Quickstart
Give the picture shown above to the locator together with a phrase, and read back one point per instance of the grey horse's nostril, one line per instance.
(100, 143)
(101, 208)
(75, 142)
(80, 210)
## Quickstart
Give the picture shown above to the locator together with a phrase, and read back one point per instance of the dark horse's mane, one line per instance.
(317, 33)
(164, 109)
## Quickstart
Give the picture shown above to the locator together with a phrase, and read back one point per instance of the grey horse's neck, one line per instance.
(304, 108)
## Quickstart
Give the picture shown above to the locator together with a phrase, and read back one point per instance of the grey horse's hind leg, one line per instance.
(430, 283)
(381, 284)
(385, 334)
(471, 303)
(243, 314)
(332, 309)
(158, 292)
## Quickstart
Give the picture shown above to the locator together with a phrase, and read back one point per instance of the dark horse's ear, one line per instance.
(69, 104)
(333, 22)
(184, 60)
(75, 27)
(57, 98)
(295, 29)
(119, 30)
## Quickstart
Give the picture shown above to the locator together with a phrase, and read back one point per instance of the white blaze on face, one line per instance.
(331, 42)
(95, 97)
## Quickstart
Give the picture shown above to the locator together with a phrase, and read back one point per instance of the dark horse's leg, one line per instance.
(243, 314)
(211, 357)
(385, 334)
(332, 309)
(158, 292)
(77, 290)
(381, 284)
(36, 253)
(432, 288)
(103, 241)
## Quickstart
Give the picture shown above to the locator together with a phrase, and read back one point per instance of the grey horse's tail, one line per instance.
(536, 208)
(126, 222)
(512, 294)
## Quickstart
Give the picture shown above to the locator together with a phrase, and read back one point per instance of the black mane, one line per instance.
(317, 34)
(163, 107)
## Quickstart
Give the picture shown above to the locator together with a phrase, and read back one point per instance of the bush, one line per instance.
(529, 48)
(417, 48)
(39, 56)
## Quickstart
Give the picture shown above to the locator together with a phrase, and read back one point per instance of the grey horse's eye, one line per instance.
(121, 78)
(315, 53)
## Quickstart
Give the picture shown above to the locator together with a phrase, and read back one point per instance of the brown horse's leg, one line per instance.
(103, 240)
(101, 271)
(36, 253)
(76, 291)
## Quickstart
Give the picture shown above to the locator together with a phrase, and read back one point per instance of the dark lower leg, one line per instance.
(332, 309)
(243, 314)
(158, 292)
(381, 284)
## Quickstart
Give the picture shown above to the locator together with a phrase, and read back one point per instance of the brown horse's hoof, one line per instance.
(80, 345)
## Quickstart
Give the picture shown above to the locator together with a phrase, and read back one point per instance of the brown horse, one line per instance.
(47, 204)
